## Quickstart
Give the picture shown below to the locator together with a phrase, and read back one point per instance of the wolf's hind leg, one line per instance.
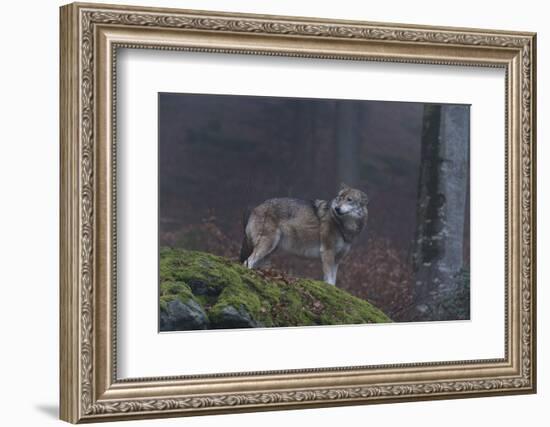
(330, 266)
(262, 249)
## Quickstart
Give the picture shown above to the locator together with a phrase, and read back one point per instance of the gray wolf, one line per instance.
(311, 229)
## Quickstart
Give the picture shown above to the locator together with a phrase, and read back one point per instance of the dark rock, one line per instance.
(230, 317)
(198, 287)
(180, 316)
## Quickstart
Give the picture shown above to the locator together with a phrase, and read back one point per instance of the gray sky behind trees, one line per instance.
(227, 152)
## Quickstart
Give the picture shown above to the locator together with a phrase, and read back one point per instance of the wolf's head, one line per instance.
(350, 202)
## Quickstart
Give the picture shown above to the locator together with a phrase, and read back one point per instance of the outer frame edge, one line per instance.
(68, 223)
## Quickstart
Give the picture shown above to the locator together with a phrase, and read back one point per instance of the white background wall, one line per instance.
(29, 171)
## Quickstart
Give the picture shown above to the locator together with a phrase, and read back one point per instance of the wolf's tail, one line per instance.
(246, 247)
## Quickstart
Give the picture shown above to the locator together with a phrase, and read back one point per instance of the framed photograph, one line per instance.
(266, 212)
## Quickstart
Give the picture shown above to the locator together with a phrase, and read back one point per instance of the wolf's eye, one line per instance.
(349, 199)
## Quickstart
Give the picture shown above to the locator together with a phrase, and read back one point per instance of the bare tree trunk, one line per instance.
(442, 194)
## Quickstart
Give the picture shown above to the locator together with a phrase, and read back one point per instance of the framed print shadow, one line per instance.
(265, 212)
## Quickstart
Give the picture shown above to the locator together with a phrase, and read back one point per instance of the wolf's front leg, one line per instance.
(330, 267)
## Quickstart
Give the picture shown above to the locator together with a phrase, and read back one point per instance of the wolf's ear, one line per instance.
(344, 187)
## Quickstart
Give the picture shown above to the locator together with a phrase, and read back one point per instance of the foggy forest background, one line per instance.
(220, 154)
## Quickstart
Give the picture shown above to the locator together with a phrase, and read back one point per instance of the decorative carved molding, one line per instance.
(526, 220)
(90, 18)
(247, 25)
(86, 211)
(333, 394)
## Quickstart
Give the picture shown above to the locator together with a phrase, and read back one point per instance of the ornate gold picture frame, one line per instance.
(91, 35)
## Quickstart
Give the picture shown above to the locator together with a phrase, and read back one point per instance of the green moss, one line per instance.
(216, 283)
(179, 289)
(186, 266)
(170, 291)
(337, 306)
(163, 302)
(239, 296)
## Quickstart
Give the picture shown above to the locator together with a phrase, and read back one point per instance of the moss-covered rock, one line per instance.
(232, 296)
